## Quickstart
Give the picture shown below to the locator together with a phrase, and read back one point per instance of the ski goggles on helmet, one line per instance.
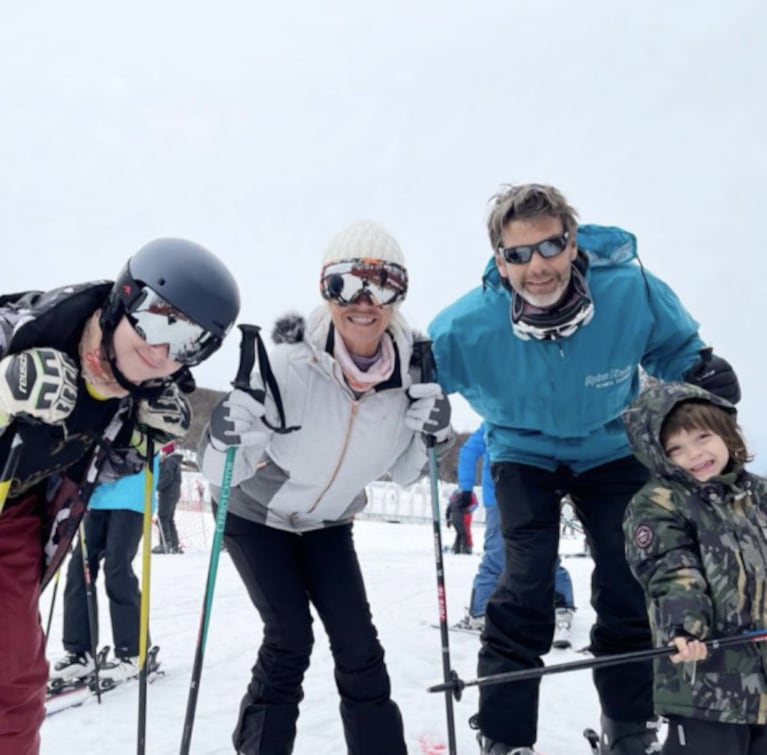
(384, 283)
(159, 322)
(548, 248)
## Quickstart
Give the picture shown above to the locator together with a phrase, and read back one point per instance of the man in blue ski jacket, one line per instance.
(547, 350)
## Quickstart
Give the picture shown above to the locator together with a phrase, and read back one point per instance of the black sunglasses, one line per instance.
(521, 255)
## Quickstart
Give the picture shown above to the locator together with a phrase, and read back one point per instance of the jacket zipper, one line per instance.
(355, 407)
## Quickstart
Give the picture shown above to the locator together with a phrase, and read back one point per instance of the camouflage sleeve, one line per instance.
(664, 557)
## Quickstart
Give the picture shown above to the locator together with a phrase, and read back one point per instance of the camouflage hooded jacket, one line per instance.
(699, 549)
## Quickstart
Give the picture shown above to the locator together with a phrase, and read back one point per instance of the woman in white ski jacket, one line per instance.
(352, 396)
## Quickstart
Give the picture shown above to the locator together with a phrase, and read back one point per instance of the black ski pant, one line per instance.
(283, 572)
(519, 618)
(166, 511)
(111, 536)
(690, 736)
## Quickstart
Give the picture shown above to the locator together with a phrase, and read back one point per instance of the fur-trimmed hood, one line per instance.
(316, 331)
(289, 328)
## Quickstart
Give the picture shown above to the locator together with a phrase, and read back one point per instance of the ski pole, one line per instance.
(423, 356)
(161, 534)
(90, 597)
(242, 381)
(9, 470)
(53, 603)
(146, 566)
(456, 686)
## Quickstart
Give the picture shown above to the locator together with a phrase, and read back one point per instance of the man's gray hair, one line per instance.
(528, 201)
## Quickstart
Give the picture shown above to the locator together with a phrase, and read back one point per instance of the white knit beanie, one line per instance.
(364, 239)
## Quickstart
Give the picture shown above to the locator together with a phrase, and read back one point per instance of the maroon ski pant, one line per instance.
(23, 667)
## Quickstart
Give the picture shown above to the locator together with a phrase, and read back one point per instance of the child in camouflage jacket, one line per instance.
(695, 540)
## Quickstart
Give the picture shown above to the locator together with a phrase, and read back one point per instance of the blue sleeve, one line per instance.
(470, 453)
(440, 349)
(451, 367)
(674, 341)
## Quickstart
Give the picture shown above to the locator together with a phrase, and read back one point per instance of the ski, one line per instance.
(71, 697)
(459, 628)
(57, 687)
(559, 643)
(432, 746)
(74, 695)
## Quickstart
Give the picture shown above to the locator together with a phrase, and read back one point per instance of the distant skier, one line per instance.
(168, 492)
(113, 528)
(458, 514)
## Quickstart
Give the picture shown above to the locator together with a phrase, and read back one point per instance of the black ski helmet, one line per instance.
(189, 278)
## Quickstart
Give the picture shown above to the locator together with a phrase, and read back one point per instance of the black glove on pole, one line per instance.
(714, 374)
(422, 354)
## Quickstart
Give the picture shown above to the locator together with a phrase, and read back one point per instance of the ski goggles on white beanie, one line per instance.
(343, 282)
(159, 322)
(364, 260)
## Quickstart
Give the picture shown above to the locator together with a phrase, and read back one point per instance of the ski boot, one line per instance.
(472, 623)
(123, 668)
(71, 670)
(563, 621)
(629, 737)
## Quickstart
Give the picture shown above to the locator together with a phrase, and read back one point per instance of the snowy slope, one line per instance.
(398, 563)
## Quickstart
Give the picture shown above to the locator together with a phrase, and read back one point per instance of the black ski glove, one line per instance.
(715, 375)
(464, 499)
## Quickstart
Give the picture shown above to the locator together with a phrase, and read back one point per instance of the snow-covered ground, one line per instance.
(398, 563)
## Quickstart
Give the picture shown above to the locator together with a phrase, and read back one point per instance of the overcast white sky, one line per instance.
(260, 129)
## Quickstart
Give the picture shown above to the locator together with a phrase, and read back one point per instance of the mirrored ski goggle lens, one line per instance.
(383, 282)
(548, 248)
(158, 322)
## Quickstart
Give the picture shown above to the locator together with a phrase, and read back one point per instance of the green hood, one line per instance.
(645, 416)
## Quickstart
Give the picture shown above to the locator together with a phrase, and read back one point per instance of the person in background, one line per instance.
(491, 566)
(695, 541)
(547, 351)
(88, 373)
(356, 409)
(458, 515)
(168, 492)
(113, 528)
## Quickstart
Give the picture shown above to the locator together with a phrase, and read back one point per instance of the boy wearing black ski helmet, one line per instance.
(87, 373)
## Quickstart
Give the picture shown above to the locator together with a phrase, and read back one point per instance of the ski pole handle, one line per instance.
(247, 356)
(423, 356)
